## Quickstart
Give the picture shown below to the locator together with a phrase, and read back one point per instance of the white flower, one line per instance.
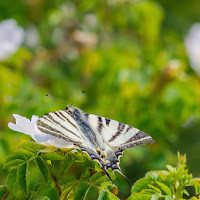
(192, 42)
(24, 125)
(11, 37)
(32, 36)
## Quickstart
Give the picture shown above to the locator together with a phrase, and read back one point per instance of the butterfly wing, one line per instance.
(118, 135)
(60, 124)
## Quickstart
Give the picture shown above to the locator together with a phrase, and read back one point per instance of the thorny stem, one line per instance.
(5, 195)
(58, 188)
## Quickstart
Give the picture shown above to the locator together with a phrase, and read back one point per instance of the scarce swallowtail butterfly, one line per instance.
(103, 139)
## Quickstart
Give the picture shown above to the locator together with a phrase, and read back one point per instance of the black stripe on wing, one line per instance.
(139, 135)
(49, 130)
(132, 144)
(107, 121)
(100, 124)
(120, 129)
(59, 124)
(65, 118)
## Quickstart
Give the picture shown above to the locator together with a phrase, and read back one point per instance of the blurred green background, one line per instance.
(130, 58)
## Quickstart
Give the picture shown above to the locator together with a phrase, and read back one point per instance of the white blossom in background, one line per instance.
(32, 36)
(192, 43)
(29, 127)
(11, 37)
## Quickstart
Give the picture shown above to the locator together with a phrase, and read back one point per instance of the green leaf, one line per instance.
(168, 198)
(170, 168)
(105, 195)
(154, 188)
(13, 163)
(67, 179)
(140, 196)
(53, 156)
(197, 186)
(24, 152)
(14, 157)
(97, 176)
(164, 188)
(32, 147)
(81, 191)
(69, 188)
(11, 179)
(21, 177)
(43, 169)
(141, 184)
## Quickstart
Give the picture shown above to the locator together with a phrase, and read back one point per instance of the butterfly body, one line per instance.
(103, 139)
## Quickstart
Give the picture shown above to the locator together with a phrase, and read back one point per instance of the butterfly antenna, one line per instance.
(107, 174)
(48, 95)
(78, 97)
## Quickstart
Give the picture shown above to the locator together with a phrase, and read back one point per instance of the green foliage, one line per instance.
(55, 167)
(130, 58)
(166, 184)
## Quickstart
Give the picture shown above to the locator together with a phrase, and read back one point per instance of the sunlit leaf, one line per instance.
(164, 188)
(43, 169)
(140, 184)
(81, 191)
(53, 156)
(13, 163)
(11, 179)
(22, 178)
(139, 196)
(105, 195)
(24, 152)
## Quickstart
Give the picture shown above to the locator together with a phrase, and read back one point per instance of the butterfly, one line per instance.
(103, 139)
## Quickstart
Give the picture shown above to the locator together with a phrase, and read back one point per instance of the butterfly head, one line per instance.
(74, 112)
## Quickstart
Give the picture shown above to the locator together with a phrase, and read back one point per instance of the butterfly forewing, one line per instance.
(60, 124)
(117, 134)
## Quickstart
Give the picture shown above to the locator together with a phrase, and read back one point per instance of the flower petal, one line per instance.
(23, 125)
(28, 127)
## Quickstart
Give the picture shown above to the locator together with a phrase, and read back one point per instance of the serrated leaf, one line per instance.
(24, 152)
(148, 191)
(140, 196)
(33, 145)
(67, 163)
(81, 191)
(21, 177)
(69, 187)
(13, 163)
(154, 188)
(14, 157)
(43, 169)
(97, 176)
(53, 156)
(11, 179)
(140, 184)
(105, 195)
(164, 188)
